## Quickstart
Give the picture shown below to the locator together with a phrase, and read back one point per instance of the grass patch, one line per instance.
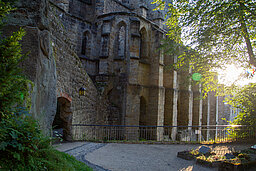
(56, 160)
(51, 159)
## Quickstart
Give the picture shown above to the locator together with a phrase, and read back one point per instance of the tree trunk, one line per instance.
(245, 34)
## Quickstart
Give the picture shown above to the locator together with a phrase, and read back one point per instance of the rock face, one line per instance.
(204, 150)
(40, 66)
(110, 48)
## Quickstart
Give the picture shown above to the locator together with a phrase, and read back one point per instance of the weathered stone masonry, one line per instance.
(109, 47)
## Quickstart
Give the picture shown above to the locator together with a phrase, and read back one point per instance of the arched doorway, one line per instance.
(63, 119)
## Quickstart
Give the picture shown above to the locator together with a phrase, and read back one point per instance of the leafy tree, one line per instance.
(244, 99)
(209, 35)
(13, 85)
(217, 30)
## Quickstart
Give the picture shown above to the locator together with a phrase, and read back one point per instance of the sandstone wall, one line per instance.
(109, 47)
(116, 6)
(40, 64)
(71, 75)
(52, 39)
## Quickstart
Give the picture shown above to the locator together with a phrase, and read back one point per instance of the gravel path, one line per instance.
(137, 157)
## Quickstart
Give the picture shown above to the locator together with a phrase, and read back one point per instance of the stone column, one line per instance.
(208, 116)
(190, 106)
(132, 112)
(217, 115)
(160, 119)
(157, 91)
(200, 114)
(190, 110)
(175, 102)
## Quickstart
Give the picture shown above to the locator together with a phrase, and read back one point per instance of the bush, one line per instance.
(23, 147)
(21, 142)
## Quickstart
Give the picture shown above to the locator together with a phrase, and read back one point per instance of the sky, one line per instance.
(233, 73)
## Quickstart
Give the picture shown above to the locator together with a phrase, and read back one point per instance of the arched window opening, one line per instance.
(143, 44)
(86, 44)
(121, 42)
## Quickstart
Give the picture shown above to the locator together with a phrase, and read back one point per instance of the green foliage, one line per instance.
(244, 99)
(21, 142)
(23, 147)
(13, 85)
(213, 28)
(209, 35)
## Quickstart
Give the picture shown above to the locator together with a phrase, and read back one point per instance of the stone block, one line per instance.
(204, 150)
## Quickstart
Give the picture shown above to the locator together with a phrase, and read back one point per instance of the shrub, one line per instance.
(23, 147)
(20, 143)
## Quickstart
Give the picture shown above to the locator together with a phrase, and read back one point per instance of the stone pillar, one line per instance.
(132, 112)
(160, 119)
(217, 115)
(208, 116)
(200, 114)
(190, 108)
(157, 91)
(175, 102)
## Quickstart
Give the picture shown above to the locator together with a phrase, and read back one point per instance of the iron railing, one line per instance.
(210, 133)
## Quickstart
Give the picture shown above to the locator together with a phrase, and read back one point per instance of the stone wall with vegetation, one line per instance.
(111, 48)
(39, 67)
(53, 65)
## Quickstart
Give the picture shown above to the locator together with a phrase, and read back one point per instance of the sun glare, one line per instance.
(234, 74)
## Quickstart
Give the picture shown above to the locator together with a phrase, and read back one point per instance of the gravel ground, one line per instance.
(138, 157)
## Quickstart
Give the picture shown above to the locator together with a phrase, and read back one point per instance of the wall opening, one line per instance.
(63, 120)
(104, 46)
(86, 44)
(120, 42)
(143, 44)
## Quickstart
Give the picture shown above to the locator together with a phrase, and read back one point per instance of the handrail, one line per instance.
(181, 126)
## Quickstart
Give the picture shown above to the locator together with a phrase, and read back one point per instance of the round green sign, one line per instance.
(21, 96)
(196, 76)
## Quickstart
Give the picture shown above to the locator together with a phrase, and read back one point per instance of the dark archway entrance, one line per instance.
(63, 119)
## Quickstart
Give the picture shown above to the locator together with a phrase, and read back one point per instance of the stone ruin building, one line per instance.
(110, 48)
